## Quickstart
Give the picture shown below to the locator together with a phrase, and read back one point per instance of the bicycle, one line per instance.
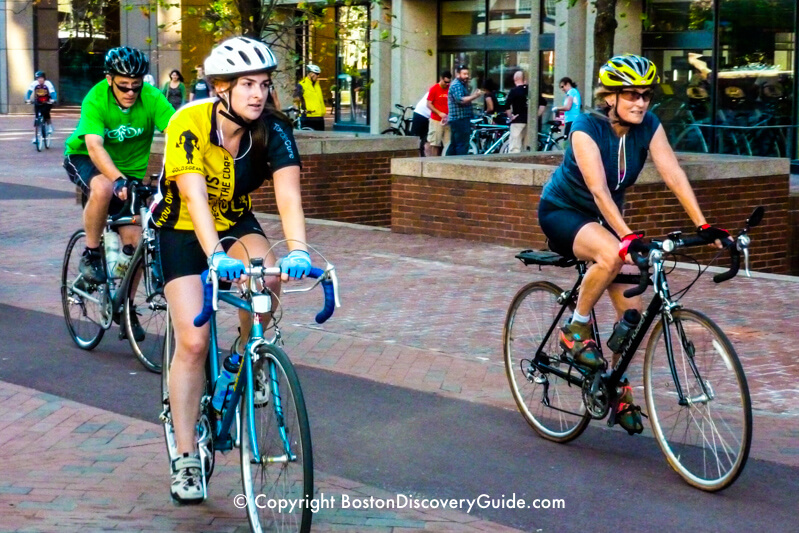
(487, 137)
(266, 404)
(552, 140)
(43, 136)
(695, 388)
(400, 123)
(137, 297)
(295, 116)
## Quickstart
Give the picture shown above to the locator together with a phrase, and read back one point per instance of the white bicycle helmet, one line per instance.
(313, 68)
(239, 55)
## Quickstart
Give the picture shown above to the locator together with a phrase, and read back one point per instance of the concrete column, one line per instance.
(533, 76)
(413, 62)
(139, 29)
(380, 68)
(570, 42)
(18, 55)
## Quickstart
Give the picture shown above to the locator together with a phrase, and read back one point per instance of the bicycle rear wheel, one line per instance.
(552, 406)
(81, 301)
(705, 438)
(145, 303)
(278, 424)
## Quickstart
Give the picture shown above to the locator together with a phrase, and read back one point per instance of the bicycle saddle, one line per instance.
(545, 257)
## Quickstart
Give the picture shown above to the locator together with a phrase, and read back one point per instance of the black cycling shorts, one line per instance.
(562, 225)
(182, 255)
(44, 109)
(81, 171)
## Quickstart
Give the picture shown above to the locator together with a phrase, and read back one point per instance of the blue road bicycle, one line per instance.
(264, 414)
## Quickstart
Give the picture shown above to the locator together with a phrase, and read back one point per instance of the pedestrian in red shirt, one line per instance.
(439, 133)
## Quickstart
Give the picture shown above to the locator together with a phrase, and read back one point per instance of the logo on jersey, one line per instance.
(190, 143)
(123, 132)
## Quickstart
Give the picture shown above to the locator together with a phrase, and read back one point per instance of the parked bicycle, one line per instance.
(400, 123)
(132, 296)
(488, 136)
(295, 116)
(552, 139)
(695, 388)
(262, 409)
(44, 137)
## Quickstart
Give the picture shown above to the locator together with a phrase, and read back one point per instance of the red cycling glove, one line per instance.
(711, 233)
(626, 241)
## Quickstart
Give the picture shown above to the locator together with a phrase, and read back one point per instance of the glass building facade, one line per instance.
(728, 73)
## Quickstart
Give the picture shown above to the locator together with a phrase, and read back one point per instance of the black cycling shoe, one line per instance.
(91, 266)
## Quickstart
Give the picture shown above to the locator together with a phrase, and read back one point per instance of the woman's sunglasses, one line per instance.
(633, 96)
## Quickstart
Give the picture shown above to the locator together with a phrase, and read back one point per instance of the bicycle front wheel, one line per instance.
(391, 131)
(46, 136)
(706, 435)
(39, 139)
(145, 306)
(81, 300)
(551, 405)
(276, 455)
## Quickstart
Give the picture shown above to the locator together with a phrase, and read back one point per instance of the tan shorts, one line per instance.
(438, 135)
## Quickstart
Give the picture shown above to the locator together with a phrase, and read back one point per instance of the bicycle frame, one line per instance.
(660, 305)
(244, 382)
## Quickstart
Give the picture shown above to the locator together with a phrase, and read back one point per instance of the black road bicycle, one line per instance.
(696, 392)
(138, 296)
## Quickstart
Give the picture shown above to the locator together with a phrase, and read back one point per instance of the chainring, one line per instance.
(596, 397)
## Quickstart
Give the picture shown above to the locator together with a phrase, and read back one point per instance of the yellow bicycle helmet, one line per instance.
(628, 70)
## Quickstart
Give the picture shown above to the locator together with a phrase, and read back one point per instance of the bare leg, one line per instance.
(187, 373)
(597, 244)
(96, 211)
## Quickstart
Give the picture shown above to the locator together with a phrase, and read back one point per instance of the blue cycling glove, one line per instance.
(297, 264)
(226, 266)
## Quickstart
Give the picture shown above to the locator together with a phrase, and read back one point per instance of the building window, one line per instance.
(510, 17)
(463, 17)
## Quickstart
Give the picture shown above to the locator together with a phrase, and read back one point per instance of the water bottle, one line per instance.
(111, 244)
(623, 329)
(123, 261)
(225, 381)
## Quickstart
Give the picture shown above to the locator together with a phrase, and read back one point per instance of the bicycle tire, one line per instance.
(277, 478)
(530, 315)
(707, 446)
(205, 441)
(146, 300)
(87, 333)
(39, 140)
(392, 131)
(474, 148)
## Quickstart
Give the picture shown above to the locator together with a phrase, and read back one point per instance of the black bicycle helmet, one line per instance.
(40, 74)
(126, 61)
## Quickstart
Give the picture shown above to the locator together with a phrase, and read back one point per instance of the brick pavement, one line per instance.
(418, 312)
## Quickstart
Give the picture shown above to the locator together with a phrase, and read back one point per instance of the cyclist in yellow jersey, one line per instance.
(217, 152)
(312, 100)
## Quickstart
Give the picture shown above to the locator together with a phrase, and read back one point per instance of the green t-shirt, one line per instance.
(127, 135)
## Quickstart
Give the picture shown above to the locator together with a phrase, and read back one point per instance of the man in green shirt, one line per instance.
(111, 143)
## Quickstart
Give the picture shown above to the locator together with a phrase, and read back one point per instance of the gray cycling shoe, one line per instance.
(187, 481)
(91, 266)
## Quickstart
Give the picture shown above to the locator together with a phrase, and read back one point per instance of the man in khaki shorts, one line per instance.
(439, 134)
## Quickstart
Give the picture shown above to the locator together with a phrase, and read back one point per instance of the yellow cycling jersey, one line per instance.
(191, 145)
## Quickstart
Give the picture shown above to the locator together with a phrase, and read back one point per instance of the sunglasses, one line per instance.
(126, 90)
(634, 96)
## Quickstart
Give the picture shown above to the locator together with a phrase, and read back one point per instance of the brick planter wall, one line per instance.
(347, 187)
(506, 213)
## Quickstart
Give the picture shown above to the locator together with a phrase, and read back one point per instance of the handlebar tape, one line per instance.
(735, 264)
(330, 297)
(321, 316)
(208, 304)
